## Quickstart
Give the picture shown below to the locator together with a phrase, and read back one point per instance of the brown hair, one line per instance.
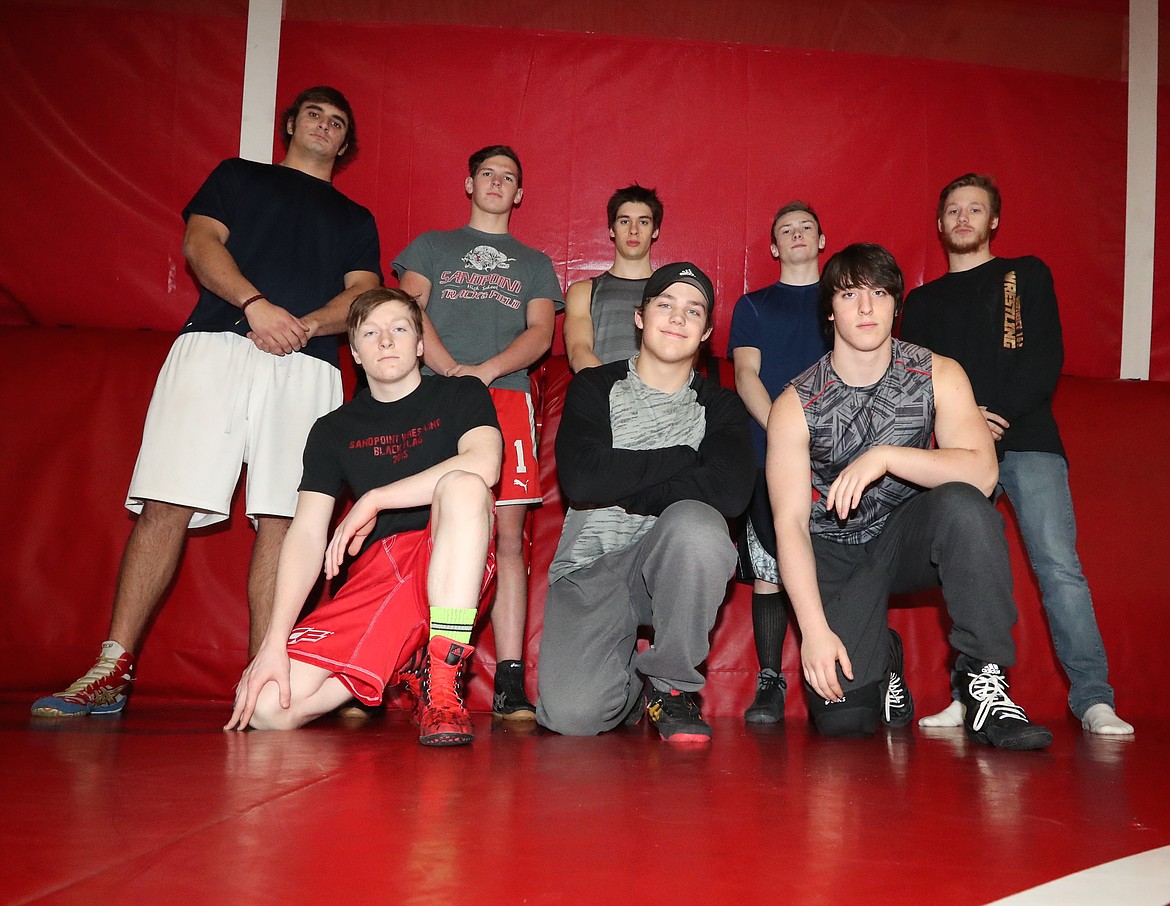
(363, 306)
(972, 180)
(323, 94)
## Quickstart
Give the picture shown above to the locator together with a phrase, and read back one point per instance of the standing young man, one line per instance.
(420, 454)
(901, 464)
(489, 303)
(999, 318)
(252, 369)
(599, 312)
(775, 334)
(654, 459)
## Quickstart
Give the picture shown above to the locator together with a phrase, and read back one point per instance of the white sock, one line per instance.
(950, 716)
(111, 649)
(1103, 720)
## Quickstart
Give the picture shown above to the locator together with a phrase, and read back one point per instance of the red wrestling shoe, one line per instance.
(442, 718)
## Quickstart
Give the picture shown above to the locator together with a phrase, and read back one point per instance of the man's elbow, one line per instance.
(987, 477)
(991, 479)
(575, 491)
(579, 486)
(575, 352)
(190, 248)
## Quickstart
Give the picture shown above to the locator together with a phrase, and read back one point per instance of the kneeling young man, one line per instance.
(653, 459)
(894, 511)
(420, 455)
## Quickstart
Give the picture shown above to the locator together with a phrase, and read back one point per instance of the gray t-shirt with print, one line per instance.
(481, 284)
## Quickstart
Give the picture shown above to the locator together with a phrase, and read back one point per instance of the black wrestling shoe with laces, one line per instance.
(994, 719)
(897, 702)
(676, 716)
(768, 705)
(510, 701)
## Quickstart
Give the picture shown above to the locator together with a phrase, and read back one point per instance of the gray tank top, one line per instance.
(844, 422)
(612, 304)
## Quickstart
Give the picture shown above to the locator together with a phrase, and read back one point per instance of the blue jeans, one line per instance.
(1037, 486)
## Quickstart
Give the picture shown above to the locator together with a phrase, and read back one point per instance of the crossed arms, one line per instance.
(594, 472)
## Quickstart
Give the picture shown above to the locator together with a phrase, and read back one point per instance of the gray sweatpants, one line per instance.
(673, 579)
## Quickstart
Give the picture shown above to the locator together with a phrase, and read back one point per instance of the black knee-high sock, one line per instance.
(769, 623)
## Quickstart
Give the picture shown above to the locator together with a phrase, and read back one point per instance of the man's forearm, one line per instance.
(300, 564)
(798, 573)
(330, 318)
(526, 349)
(579, 329)
(435, 354)
(931, 468)
(216, 269)
(419, 489)
(602, 476)
(581, 356)
(754, 395)
(723, 475)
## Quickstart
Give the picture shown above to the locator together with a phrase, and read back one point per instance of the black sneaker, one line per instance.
(637, 709)
(897, 702)
(676, 716)
(510, 701)
(856, 713)
(768, 705)
(994, 719)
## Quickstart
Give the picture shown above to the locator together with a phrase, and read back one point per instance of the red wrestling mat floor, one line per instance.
(159, 805)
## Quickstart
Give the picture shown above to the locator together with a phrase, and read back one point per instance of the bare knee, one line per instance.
(463, 489)
(462, 497)
(269, 715)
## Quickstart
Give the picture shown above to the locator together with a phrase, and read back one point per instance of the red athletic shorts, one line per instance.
(379, 619)
(519, 475)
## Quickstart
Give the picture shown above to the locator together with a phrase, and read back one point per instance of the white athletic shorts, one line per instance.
(221, 402)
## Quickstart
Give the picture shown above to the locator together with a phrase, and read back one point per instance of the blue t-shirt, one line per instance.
(783, 323)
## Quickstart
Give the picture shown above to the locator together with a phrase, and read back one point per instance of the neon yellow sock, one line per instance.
(454, 623)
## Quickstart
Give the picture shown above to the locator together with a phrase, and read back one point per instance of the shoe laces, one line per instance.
(441, 684)
(895, 694)
(990, 690)
(103, 668)
(767, 680)
(680, 706)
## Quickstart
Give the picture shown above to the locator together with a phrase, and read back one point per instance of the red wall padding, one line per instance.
(62, 527)
(123, 113)
(119, 114)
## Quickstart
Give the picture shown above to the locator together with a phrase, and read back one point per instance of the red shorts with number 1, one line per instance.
(379, 619)
(519, 475)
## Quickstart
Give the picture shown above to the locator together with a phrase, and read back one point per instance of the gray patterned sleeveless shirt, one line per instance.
(844, 422)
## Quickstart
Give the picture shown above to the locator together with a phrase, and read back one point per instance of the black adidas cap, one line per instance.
(680, 272)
